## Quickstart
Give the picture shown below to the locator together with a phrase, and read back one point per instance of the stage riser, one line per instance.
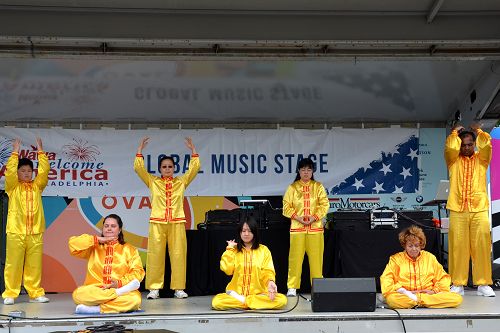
(329, 323)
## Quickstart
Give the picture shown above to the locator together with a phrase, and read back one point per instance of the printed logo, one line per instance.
(79, 166)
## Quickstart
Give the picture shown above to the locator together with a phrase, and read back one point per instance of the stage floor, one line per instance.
(476, 314)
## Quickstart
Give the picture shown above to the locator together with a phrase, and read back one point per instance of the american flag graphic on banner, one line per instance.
(395, 171)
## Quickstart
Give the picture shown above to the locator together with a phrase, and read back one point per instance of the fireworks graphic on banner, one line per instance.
(80, 150)
(5, 150)
(394, 172)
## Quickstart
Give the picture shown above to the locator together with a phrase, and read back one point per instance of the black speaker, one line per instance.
(343, 294)
(407, 218)
(349, 220)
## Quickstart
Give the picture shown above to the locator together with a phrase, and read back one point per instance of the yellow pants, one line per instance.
(437, 301)
(23, 262)
(107, 299)
(159, 235)
(254, 302)
(469, 237)
(301, 243)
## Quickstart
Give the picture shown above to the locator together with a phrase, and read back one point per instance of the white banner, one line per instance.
(90, 163)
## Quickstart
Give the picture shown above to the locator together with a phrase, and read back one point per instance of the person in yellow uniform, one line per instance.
(414, 277)
(114, 270)
(251, 265)
(167, 220)
(25, 225)
(469, 234)
(306, 204)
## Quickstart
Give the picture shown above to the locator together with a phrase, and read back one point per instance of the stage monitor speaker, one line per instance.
(343, 294)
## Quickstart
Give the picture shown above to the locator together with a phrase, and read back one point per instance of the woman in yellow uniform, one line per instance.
(114, 271)
(25, 225)
(251, 265)
(414, 277)
(306, 204)
(167, 220)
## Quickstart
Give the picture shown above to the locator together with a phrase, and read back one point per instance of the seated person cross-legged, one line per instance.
(114, 271)
(251, 265)
(414, 277)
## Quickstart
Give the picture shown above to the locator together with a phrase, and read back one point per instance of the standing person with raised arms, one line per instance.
(25, 225)
(167, 220)
(469, 235)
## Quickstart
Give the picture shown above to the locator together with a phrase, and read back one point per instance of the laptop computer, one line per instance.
(443, 190)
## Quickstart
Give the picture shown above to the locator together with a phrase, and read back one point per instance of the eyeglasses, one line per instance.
(167, 166)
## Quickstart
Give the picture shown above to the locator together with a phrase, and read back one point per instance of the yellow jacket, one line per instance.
(423, 273)
(468, 174)
(167, 194)
(251, 269)
(306, 199)
(107, 262)
(25, 214)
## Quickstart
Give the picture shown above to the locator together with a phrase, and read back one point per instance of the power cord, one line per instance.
(214, 313)
(400, 318)
(305, 298)
(111, 328)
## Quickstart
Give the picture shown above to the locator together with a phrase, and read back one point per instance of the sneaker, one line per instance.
(39, 299)
(291, 292)
(153, 294)
(180, 294)
(8, 301)
(485, 291)
(457, 290)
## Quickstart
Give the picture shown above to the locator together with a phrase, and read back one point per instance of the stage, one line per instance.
(476, 314)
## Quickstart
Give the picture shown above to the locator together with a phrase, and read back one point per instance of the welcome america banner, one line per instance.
(90, 163)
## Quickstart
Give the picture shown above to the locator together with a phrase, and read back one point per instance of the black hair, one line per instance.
(305, 162)
(254, 228)
(462, 134)
(118, 219)
(24, 161)
(166, 158)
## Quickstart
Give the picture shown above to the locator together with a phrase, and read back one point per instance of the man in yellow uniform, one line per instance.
(469, 235)
(25, 225)
(306, 204)
(167, 220)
